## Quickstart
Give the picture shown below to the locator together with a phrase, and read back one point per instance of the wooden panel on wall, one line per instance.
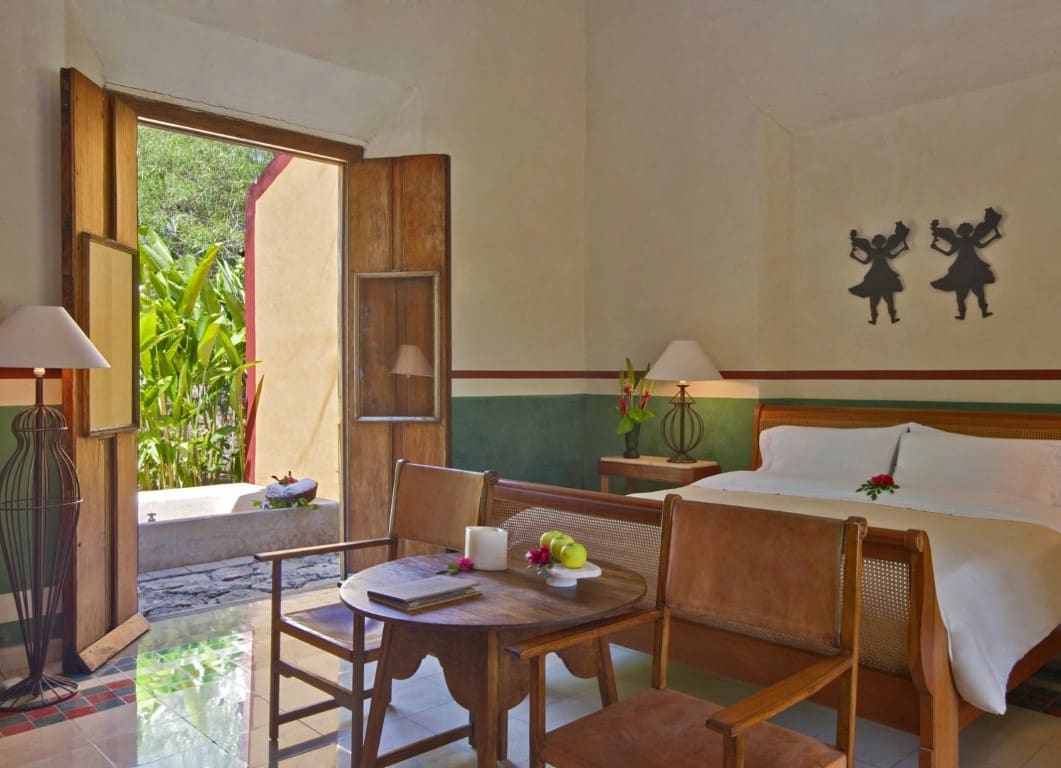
(398, 220)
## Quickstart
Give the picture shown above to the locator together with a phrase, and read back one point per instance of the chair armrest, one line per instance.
(764, 704)
(321, 549)
(580, 633)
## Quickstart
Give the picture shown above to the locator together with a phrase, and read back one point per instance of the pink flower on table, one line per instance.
(539, 556)
(462, 565)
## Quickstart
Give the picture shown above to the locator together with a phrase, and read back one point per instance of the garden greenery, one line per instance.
(194, 419)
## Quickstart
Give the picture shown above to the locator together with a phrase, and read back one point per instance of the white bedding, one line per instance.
(997, 561)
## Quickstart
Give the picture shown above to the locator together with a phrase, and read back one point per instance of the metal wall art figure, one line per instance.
(968, 272)
(881, 281)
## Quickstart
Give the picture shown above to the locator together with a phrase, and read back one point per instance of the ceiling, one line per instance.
(809, 63)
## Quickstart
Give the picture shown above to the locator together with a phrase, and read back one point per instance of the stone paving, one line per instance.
(237, 580)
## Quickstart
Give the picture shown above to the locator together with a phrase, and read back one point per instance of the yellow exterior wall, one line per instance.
(296, 326)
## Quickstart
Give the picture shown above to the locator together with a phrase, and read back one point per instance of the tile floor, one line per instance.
(198, 699)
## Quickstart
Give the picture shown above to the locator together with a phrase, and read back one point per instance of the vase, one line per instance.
(631, 443)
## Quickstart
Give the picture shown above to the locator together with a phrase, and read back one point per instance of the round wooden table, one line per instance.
(469, 638)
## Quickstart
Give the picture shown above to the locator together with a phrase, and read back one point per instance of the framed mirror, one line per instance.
(397, 346)
(110, 395)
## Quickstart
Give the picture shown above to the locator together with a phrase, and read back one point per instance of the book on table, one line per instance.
(423, 593)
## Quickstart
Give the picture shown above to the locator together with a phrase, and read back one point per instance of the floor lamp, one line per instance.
(39, 495)
(682, 428)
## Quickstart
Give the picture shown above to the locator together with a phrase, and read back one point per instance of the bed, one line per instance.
(980, 554)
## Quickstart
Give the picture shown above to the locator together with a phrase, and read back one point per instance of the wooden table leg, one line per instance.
(537, 710)
(486, 718)
(604, 487)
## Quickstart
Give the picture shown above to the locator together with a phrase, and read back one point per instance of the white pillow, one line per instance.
(1013, 467)
(924, 428)
(854, 454)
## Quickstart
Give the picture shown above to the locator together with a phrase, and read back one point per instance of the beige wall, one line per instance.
(499, 86)
(719, 203)
(296, 326)
(947, 159)
(31, 53)
(624, 172)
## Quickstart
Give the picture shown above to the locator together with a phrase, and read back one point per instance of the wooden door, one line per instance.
(398, 223)
(98, 198)
(397, 220)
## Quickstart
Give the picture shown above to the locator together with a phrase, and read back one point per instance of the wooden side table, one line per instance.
(655, 468)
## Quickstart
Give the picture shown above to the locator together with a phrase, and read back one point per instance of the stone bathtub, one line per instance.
(185, 526)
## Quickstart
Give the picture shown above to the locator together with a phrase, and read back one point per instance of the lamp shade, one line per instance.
(411, 361)
(683, 360)
(46, 337)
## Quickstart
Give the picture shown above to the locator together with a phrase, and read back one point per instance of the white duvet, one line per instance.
(997, 561)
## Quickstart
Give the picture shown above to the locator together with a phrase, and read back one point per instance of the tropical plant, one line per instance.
(195, 421)
(634, 393)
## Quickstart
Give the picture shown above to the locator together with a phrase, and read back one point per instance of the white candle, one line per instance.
(486, 547)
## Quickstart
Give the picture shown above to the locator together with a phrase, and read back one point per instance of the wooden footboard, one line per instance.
(905, 680)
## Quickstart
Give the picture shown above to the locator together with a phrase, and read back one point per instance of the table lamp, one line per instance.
(682, 428)
(40, 496)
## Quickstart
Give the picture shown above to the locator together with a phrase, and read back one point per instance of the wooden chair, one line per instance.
(789, 579)
(431, 505)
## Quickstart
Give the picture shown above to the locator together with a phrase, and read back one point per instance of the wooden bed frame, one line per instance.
(917, 694)
(924, 701)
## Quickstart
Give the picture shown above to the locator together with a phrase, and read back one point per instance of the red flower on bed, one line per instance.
(877, 485)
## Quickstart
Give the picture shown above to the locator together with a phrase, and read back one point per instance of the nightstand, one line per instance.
(655, 468)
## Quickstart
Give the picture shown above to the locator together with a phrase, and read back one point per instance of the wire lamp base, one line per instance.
(39, 504)
(682, 428)
(35, 692)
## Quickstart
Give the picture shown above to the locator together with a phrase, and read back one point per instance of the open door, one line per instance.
(100, 614)
(397, 387)
(397, 224)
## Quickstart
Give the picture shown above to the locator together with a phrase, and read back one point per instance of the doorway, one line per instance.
(239, 307)
(395, 214)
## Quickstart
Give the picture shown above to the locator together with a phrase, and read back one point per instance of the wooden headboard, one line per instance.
(1019, 424)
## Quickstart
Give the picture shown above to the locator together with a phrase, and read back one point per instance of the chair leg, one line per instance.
(274, 649)
(274, 686)
(357, 689)
(606, 673)
(380, 699)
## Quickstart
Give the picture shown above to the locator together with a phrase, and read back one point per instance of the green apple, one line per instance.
(557, 544)
(547, 538)
(573, 555)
